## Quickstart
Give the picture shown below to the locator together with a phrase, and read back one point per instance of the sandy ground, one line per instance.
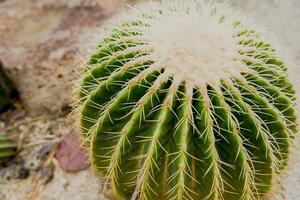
(280, 17)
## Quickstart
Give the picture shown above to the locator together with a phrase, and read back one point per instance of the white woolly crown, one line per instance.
(193, 45)
(197, 42)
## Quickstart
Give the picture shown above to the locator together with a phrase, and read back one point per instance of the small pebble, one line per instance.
(24, 173)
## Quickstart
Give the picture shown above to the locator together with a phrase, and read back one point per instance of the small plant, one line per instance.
(7, 148)
(185, 100)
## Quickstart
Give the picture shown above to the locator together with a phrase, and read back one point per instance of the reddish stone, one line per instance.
(70, 153)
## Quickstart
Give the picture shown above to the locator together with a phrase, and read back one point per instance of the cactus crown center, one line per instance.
(194, 46)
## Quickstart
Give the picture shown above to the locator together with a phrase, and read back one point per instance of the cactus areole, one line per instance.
(184, 100)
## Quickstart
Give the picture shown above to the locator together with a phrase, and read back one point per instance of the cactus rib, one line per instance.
(7, 148)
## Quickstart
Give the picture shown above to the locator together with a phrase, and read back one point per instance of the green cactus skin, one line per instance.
(184, 100)
(7, 148)
(6, 89)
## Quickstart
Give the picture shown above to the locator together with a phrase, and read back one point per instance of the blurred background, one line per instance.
(41, 43)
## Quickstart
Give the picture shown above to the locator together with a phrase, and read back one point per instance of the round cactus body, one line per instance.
(185, 100)
(7, 148)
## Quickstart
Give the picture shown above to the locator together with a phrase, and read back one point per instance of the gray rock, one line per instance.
(40, 46)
